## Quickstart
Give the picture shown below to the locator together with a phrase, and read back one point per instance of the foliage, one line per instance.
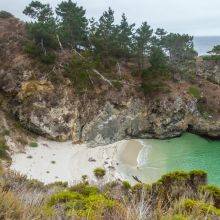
(10, 206)
(195, 92)
(5, 14)
(211, 57)
(99, 172)
(80, 72)
(48, 58)
(180, 47)
(211, 190)
(90, 205)
(124, 37)
(142, 43)
(202, 207)
(215, 50)
(42, 32)
(85, 189)
(3, 148)
(72, 24)
(126, 185)
(174, 176)
(33, 144)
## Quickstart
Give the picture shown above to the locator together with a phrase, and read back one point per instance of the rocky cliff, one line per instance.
(44, 101)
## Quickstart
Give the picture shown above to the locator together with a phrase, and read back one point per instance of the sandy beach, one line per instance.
(54, 161)
(130, 152)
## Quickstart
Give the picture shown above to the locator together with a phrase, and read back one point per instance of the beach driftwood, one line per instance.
(137, 179)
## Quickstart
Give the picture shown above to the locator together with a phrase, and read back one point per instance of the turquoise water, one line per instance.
(187, 152)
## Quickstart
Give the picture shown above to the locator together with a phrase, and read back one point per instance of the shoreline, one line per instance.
(130, 152)
(53, 161)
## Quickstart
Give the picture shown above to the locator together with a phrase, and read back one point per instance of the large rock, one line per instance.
(45, 110)
(164, 118)
(209, 69)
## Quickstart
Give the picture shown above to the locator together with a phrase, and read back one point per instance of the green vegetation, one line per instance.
(211, 57)
(215, 50)
(10, 206)
(108, 201)
(174, 176)
(126, 185)
(3, 148)
(213, 190)
(33, 144)
(99, 172)
(83, 201)
(102, 44)
(195, 92)
(5, 14)
(204, 208)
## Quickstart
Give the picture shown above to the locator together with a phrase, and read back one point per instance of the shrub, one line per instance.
(84, 189)
(213, 190)
(33, 144)
(32, 49)
(137, 188)
(195, 92)
(99, 172)
(91, 206)
(80, 73)
(10, 206)
(5, 14)
(48, 58)
(201, 207)
(211, 57)
(126, 185)
(3, 148)
(174, 176)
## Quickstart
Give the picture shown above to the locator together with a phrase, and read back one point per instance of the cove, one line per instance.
(185, 153)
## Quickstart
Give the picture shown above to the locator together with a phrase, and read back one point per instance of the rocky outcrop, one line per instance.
(46, 103)
(167, 117)
(208, 69)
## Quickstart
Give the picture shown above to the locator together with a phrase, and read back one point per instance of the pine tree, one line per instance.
(125, 37)
(43, 29)
(103, 36)
(73, 24)
(143, 40)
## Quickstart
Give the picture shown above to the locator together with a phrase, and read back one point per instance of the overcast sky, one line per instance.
(195, 17)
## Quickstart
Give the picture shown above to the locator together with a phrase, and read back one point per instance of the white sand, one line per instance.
(54, 161)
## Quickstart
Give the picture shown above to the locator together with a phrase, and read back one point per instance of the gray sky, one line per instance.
(195, 17)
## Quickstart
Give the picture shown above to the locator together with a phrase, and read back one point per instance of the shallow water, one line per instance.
(188, 152)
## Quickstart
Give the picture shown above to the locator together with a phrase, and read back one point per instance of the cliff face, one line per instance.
(53, 107)
(209, 69)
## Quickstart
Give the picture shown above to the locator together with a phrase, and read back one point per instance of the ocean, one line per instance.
(203, 44)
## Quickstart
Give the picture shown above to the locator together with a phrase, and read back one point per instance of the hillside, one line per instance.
(64, 94)
(43, 100)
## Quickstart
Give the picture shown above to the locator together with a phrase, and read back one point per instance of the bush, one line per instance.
(201, 207)
(33, 50)
(48, 58)
(3, 148)
(174, 176)
(5, 14)
(126, 185)
(195, 92)
(33, 144)
(91, 205)
(99, 172)
(10, 206)
(211, 57)
(84, 189)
